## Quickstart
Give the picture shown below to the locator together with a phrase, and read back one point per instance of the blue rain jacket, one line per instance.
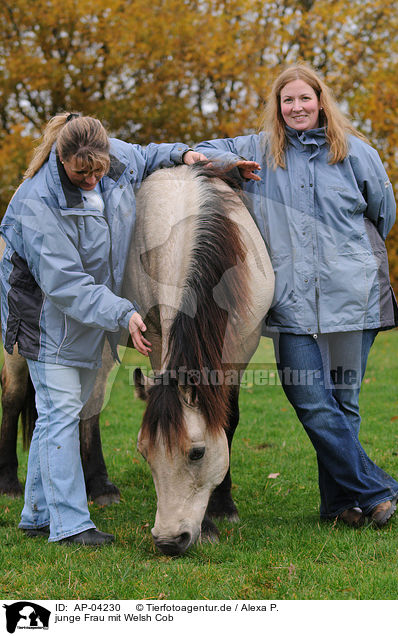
(324, 226)
(63, 263)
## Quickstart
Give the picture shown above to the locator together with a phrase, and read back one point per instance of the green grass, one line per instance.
(278, 550)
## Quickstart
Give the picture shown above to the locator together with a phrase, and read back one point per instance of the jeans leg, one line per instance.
(344, 357)
(55, 474)
(347, 477)
(354, 362)
(35, 513)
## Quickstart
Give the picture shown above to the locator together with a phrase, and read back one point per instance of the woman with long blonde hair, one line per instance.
(337, 125)
(324, 205)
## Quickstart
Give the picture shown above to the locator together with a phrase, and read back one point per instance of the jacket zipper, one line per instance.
(317, 306)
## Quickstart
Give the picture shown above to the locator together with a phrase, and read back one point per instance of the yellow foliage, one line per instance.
(189, 69)
(14, 151)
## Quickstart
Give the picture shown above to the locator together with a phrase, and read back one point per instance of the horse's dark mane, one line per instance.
(197, 343)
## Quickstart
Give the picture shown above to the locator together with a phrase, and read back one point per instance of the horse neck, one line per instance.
(197, 337)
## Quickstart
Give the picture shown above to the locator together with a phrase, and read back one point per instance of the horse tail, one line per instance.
(28, 414)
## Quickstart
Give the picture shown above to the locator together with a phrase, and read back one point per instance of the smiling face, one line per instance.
(80, 175)
(299, 105)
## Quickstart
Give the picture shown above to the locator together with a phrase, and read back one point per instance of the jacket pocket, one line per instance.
(11, 334)
(395, 306)
(286, 308)
(64, 335)
(348, 201)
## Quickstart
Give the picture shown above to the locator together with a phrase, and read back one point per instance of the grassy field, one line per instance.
(278, 550)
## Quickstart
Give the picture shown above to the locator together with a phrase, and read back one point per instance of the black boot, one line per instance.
(36, 532)
(89, 537)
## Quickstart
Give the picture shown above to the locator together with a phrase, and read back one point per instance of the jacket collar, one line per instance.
(73, 194)
(300, 139)
(116, 168)
(70, 196)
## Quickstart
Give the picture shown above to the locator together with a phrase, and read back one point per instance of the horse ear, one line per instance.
(142, 384)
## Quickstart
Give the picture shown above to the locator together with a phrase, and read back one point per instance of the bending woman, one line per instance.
(324, 206)
(67, 231)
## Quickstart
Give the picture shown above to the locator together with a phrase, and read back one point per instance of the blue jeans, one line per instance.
(55, 492)
(321, 376)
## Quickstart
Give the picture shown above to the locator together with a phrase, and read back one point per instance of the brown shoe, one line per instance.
(353, 517)
(382, 512)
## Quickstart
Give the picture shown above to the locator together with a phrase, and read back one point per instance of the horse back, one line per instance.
(194, 243)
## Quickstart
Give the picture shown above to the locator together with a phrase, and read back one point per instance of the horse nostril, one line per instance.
(184, 539)
(174, 546)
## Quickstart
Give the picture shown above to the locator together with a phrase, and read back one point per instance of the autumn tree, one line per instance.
(188, 69)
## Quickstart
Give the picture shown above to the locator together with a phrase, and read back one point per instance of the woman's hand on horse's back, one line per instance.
(191, 156)
(136, 327)
(246, 169)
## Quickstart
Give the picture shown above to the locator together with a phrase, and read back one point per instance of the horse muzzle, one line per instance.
(174, 546)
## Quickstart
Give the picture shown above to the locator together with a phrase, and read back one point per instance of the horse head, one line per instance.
(187, 460)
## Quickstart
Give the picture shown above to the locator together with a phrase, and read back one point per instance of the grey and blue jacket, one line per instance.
(324, 226)
(63, 262)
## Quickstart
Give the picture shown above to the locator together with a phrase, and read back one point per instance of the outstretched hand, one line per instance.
(136, 327)
(246, 169)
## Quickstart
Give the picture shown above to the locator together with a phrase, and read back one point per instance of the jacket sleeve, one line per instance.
(226, 151)
(160, 155)
(55, 263)
(376, 189)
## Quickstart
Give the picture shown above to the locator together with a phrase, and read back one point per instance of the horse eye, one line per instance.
(196, 453)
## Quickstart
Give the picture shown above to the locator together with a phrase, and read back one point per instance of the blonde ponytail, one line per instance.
(42, 152)
(82, 137)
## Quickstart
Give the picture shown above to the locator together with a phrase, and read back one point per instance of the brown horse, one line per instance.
(201, 274)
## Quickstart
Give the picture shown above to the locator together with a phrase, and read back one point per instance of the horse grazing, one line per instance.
(201, 274)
